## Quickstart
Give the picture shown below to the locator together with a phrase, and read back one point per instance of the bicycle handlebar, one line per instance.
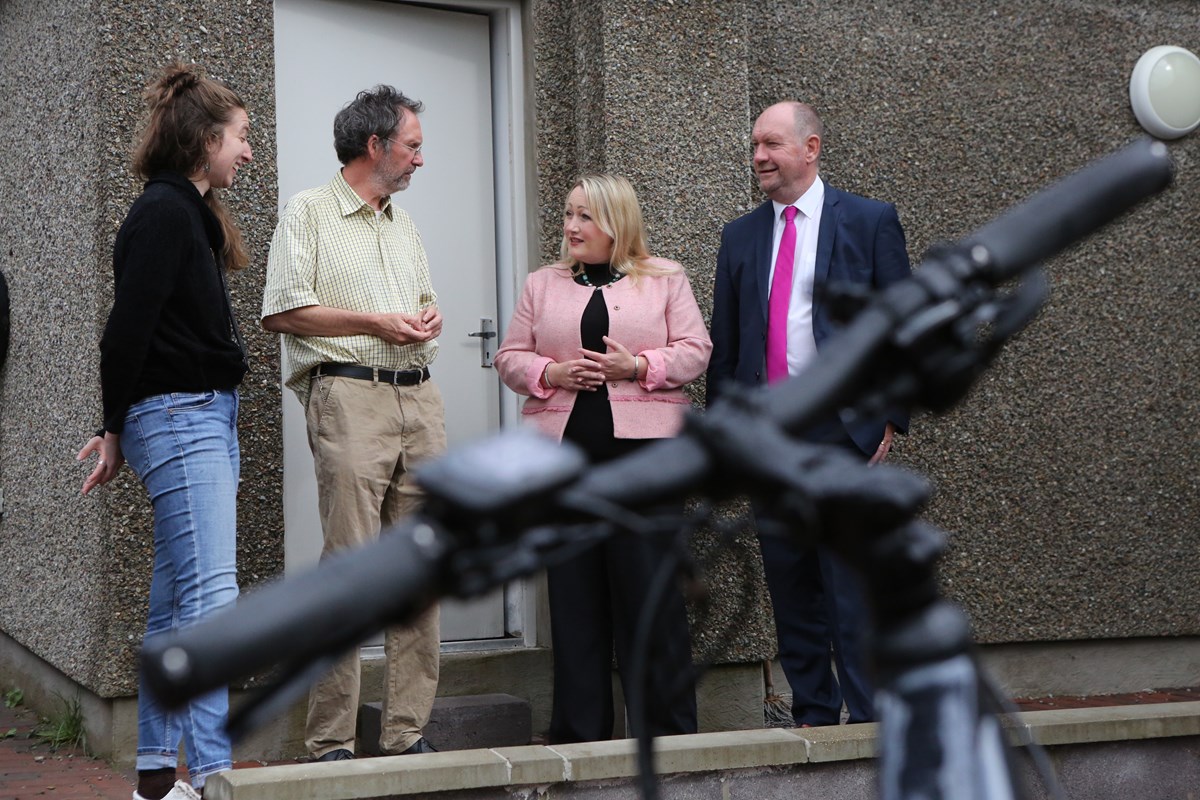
(327, 609)
(1043, 225)
(1085, 201)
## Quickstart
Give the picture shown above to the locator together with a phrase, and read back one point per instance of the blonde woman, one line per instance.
(601, 343)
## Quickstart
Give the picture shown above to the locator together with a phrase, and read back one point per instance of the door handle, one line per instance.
(485, 334)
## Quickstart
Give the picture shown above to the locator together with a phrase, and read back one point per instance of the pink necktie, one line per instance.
(777, 305)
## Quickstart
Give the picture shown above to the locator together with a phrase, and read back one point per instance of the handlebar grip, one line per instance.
(660, 471)
(350, 596)
(1069, 210)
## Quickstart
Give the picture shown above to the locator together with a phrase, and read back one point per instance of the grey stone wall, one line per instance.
(1067, 480)
(56, 572)
(76, 576)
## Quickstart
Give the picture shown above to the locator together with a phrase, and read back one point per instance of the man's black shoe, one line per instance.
(422, 745)
(341, 754)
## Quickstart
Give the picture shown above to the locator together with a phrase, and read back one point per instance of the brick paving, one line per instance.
(30, 769)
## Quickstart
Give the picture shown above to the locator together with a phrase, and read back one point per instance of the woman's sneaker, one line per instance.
(180, 791)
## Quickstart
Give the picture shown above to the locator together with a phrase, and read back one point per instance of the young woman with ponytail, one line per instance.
(171, 359)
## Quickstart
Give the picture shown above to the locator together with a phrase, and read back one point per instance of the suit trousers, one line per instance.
(821, 619)
(596, 600)
(366, 437)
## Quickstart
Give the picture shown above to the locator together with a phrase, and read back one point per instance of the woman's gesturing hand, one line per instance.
(108, 447)
(617, 364)
(579, 375)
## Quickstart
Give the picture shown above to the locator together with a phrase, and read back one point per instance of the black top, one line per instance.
(591, 422)
(171, 328)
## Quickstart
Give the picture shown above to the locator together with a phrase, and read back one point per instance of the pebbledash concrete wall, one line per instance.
(77, 569)
(1068, 479)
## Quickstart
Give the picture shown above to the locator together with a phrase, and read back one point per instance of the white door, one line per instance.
(326, 52)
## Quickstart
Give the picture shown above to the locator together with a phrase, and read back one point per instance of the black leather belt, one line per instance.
(401, 377)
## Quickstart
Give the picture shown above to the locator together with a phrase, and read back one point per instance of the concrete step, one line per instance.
(1116, 753)
(468, 722)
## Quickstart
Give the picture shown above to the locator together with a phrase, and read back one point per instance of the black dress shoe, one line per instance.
(422, 745)
(341, 754)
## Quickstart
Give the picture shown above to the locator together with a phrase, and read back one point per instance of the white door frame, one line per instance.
(516, 227)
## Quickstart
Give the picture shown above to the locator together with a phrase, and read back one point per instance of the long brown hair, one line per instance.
(185, 112)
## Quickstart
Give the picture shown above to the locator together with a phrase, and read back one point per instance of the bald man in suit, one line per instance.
(768, 323)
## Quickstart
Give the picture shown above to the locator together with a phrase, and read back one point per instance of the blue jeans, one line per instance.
(184, 448)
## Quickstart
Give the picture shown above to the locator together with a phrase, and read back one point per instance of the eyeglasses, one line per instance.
(416, 150)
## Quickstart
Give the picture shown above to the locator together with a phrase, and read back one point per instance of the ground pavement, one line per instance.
(30, 769)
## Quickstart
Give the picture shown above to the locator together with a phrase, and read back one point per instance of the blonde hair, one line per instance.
(615, 210)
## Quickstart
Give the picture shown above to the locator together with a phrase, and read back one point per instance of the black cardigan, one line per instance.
(171, 328)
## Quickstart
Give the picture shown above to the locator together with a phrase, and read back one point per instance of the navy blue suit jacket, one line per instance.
(860, 242)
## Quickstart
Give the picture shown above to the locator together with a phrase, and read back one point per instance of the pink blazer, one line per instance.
(656, 318)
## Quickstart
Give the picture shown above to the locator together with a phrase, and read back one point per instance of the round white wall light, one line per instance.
(1164, 90)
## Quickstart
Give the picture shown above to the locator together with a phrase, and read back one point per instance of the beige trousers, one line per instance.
(366, 437)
